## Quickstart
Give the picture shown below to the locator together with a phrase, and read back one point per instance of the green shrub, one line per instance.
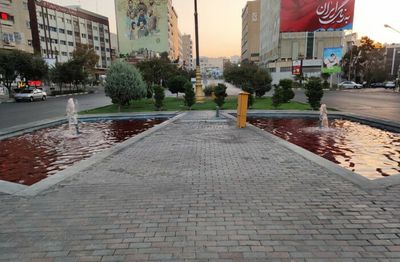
(176, 84)
(208, 90)
(159, 95)
(150, 92)
(287, 92)
(262, 82)
(220, 94)
(249, 89)
(124, 83)
(190, 96)
(277, 97)
(314, 92)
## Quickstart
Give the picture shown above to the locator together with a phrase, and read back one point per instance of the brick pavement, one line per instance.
(199, 191)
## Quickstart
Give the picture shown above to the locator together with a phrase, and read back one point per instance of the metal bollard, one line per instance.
(243, 100)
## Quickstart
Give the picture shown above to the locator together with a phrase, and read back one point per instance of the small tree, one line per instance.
(176, 84)
(220, 94)
(190, 96)
(287, 92)
(124, 83)
(159, 95)
(262, 82)
(314, 92)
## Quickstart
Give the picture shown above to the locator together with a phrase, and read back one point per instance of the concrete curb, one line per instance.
(21, 190)
(356, 179)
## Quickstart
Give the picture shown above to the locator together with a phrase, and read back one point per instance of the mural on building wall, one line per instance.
(312, 15)
(142, 24)
(332, 60)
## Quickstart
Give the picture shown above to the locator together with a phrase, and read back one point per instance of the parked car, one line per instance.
(375, 85)
(390, 84)
(349, 84)
(30, 95)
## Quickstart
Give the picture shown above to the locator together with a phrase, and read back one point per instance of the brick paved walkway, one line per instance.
(198, 191)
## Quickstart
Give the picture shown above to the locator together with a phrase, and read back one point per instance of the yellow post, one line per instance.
(243, 101)
(199, 86)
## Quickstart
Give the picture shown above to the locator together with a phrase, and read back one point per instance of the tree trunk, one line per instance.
(119, 108)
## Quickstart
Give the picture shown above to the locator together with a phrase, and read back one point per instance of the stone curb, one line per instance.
(356, 179)
(21, 190)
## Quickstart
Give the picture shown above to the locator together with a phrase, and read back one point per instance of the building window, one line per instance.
(69, 32)
(40, 26)
(62, 19)
(62, 31)
(97, 48)
(42, 38)
(71, 43)
(95, 28)
(62, 42)
(53, 29)
(77, 34)
(28, 24)
(96, 38)
(54, 41)
(286, 69)
(83, 35)
(69, 21)
(107, 41)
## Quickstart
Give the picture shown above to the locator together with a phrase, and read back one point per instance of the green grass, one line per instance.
(177, 104)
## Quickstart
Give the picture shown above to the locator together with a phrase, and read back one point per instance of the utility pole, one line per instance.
(199, 86)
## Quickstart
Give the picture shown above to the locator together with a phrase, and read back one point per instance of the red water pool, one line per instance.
(29, 158)
(368, 151)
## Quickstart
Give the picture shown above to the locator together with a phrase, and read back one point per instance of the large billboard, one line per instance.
(313, 15)
(332, 60)
(142, 25)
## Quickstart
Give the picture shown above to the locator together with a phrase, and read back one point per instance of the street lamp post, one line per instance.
(199, 86)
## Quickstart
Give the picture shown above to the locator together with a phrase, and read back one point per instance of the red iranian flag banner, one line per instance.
(313, 15)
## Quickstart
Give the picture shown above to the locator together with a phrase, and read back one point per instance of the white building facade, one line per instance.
(56, 31)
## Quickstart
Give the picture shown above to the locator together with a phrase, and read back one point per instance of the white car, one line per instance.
(349, 84)
(30, 95)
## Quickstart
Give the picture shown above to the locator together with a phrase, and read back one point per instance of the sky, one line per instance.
(220, 21)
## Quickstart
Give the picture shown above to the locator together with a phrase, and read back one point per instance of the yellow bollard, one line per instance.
(243, 101)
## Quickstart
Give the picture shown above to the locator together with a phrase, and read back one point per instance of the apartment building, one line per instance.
(187, 52)
(56, 30)
(392, 61)
(251, 32)
(15, 27)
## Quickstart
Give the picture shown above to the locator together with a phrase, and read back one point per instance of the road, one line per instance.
(377, 103)
(13, 114)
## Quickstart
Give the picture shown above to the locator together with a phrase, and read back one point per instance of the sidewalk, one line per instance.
(203, 191)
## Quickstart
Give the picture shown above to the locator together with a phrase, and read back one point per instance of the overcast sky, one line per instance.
(220, 21)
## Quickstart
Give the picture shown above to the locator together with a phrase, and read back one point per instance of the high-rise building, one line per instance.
(279, 47)
(187, 52)
(147, 27)
(392, 61)
(15, 27)
(251, 32)
(56, 30)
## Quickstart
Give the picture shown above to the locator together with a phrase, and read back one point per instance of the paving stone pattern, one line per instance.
(202, 191)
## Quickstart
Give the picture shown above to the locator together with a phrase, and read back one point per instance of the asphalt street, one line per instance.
(13, 114)
(377, 103)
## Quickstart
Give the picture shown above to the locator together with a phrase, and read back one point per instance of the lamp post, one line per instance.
(199, 86)
(394, 29)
